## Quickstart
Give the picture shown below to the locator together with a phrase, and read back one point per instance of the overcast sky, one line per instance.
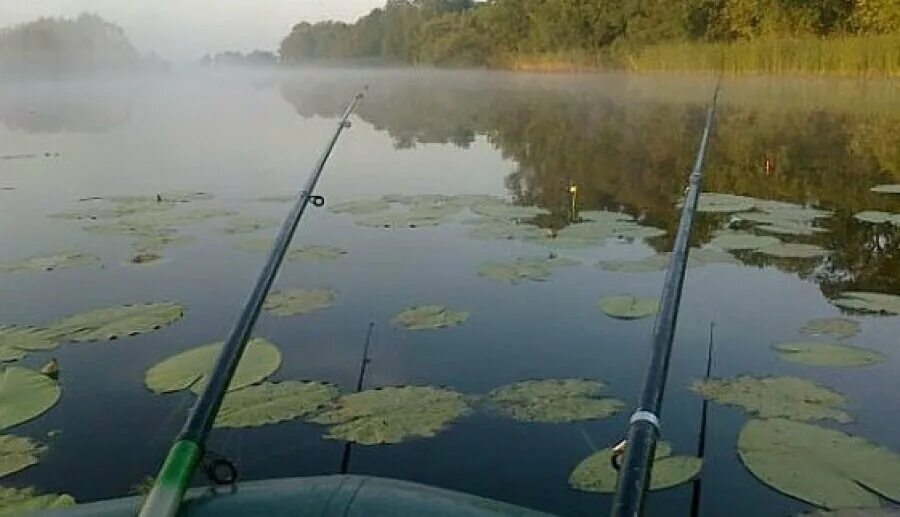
(185, 29)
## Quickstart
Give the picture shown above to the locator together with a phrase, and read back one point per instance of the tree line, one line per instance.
(498, 32)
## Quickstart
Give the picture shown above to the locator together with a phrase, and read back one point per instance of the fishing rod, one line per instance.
(186, 453)
(697, 495)
(643, 428)
(360, 380)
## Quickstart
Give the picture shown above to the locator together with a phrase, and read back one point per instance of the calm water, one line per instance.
(626, 142)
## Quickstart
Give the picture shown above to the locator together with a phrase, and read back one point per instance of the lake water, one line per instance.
(626, 142)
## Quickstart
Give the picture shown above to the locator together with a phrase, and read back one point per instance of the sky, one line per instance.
(182, 30)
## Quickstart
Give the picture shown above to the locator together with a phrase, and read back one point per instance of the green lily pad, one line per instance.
(25, 395)
(789, 229)
(637, 231)
(793, 250)
(51, 262)
(117, 322)
(653, 263)
(875, 217)
(498, 229)
(628, 307)
(430, 317)
(824, 467)
(278, 198)
(400, 220)
(293, 302)
(192, 368)
(316, 253)
(18, 501)
(507, 211)
(714, 202)
(828, 354)
(128, 229)
(776, 397)
(841, 327)
(554, 401)
(18, 453)
(161, 243)
(742, 241)
(392, 415)
(363, 207)
(887, 189)
(271, 403)
(146, 257)
(17, 340)
(605, 216)
(248, 225)
(876, 303)
(596, 474)
(536, 269)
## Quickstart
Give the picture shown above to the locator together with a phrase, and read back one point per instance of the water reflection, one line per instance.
(627, 145)
(64, 107)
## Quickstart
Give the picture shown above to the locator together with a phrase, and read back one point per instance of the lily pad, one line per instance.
(824, 467)
(271, 403)
(293, 302)
(776, 397)
(653, 263)
(793, 250)
(24, 395)
(16, 341)
(828, 354)
(536, 269)
(362, 207)
(596, 474)
(128, 229)
(51, 262)
(714, 202)
(499, 229)
(18, 501)
(841, 327)
(887, 189)
(278, 198)
(876, 217)
(399, 220)
(507, 211)
(117, 322)
(392, 415)
(248, 225)
(742, 241)
(191, 369)
(554, 401)
(876, 303)
(605, 216)
(160, 243)
(17, 453)
(628, 307)
(316, 253)
(789, 229)
(146, 257)
(430, 317)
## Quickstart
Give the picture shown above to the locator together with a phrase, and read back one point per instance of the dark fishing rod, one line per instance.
(697, 495)
(643, 428)
(185, 454)
(360, 381)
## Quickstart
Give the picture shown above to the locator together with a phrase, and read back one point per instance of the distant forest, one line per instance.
(849, 36)
(57, 45)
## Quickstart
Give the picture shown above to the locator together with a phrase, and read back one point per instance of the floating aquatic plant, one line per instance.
(596, 473)
(604, 216)
(554, 400)
(51, 262)
(316, 253)
(627, 307)
(274, 402)
(828, 354)
(17, 453)
(742, 241)
(876, 303)
(536, 269)
(293, 302)
(786, 228)
(429, 317)
(159, 244)
(192, 368)
(877, 217)
(505, 230)
(24, 395)
(146, 257)
(840, 327)
(362, 207)
(18, 501)
(659, 262)
(823, 467)
(248, 225)
(392, 415)
(507, 211)
(17, 340)
(116, 322)
(776, 397)
(715, 202)
(793, 250)
(887, 189)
